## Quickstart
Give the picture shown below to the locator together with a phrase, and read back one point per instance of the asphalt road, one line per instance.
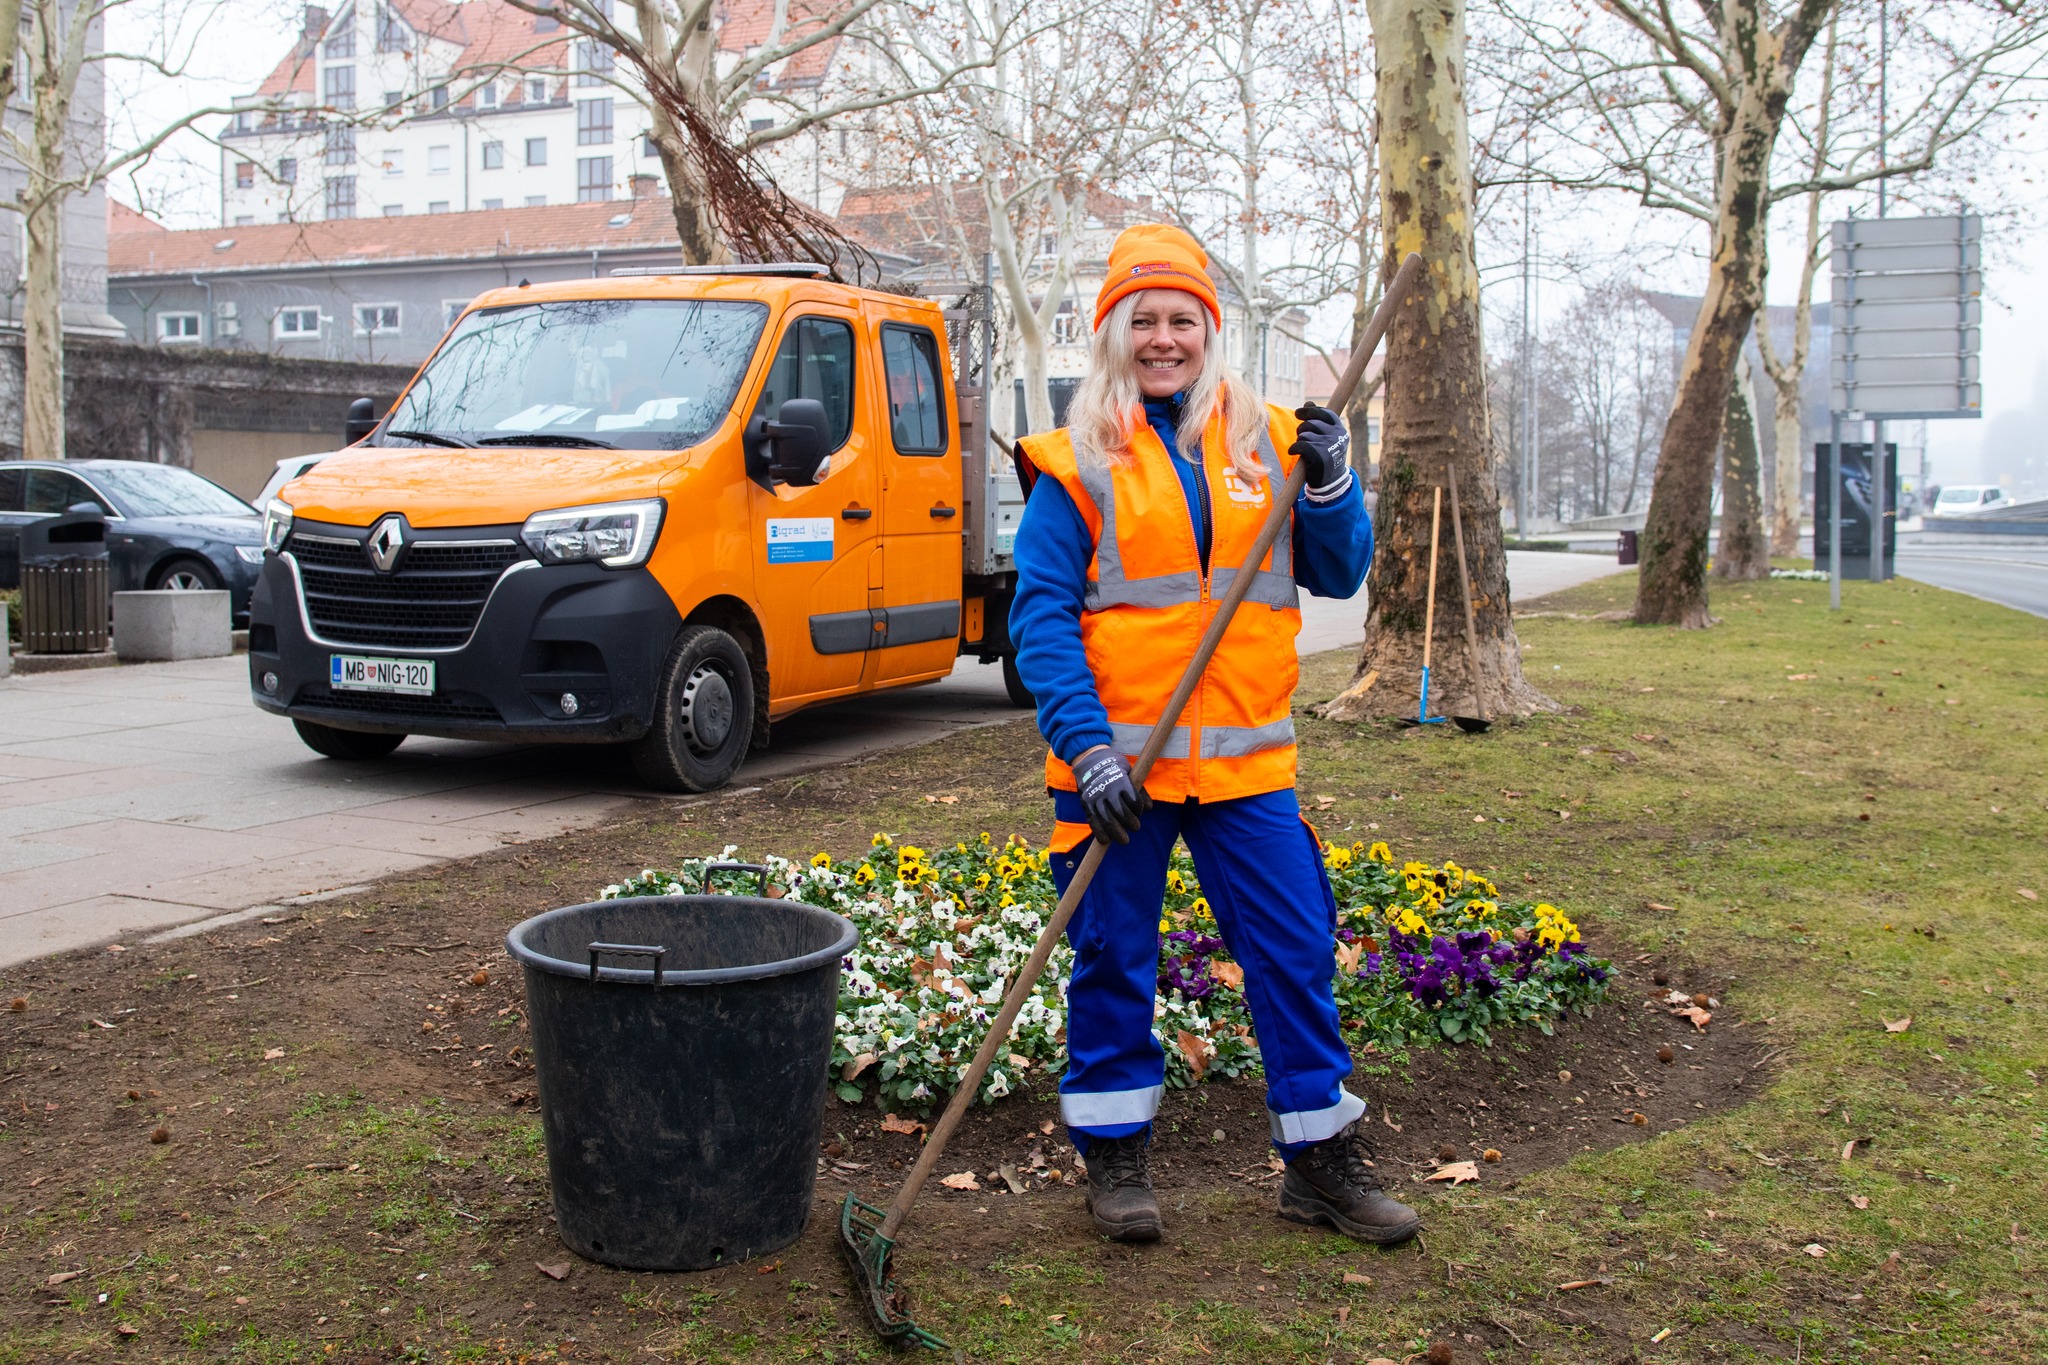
(2011, 575)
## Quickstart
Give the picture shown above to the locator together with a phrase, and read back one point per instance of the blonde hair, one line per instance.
(1108, 407)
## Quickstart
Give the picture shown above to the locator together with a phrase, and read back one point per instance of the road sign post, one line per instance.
(1906, 326)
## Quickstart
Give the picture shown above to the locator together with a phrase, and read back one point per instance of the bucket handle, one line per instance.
(629, 950)
(758, 869)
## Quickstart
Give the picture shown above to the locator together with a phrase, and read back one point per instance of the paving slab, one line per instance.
(139, 798)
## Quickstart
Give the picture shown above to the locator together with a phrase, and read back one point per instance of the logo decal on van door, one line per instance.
(799, 540)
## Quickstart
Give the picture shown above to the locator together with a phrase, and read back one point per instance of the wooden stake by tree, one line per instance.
(1436, 411)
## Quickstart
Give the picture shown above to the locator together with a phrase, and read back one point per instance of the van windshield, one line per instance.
(647, 374)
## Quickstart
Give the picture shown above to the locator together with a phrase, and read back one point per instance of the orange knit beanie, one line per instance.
(1156, 256)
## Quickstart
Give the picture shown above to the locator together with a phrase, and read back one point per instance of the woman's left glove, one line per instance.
(1324, 443)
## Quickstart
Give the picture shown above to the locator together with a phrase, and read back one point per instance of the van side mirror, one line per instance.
(361, 421)
(791, 448)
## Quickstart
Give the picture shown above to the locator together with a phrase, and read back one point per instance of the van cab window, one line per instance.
(651, 374)
(815, 360)
(917, 415)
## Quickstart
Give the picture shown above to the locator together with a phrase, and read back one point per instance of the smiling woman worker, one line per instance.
(1138, 515)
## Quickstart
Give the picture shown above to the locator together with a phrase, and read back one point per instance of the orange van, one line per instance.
(656, 511)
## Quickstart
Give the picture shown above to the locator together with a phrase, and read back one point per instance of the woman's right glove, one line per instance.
(1113, 801)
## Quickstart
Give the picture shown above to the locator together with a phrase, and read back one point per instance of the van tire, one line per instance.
(703, 714)
(1013, 683)
(352, 744)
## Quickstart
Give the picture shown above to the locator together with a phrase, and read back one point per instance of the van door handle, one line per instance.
(941, 510)
(856, 513)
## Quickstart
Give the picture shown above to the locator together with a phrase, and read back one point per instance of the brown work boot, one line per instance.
(1333, 1183)
(1120, 1190)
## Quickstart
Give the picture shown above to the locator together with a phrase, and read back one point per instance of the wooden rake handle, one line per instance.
(1027, 977)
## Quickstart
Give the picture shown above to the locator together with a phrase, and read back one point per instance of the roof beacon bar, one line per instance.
(802, 270)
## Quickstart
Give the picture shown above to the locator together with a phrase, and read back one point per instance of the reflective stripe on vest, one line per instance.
(1129, 739)
(1110, 587)
(1242, 741)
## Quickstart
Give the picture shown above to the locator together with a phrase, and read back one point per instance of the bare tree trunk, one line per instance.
(1785, 499)
(42, 327)
(1672, 589)
(1744, 555)
(693, 70)
(1436, 411)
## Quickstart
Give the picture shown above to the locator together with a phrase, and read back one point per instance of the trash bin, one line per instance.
(1625, 551)
(64, 602)
(682, 1044)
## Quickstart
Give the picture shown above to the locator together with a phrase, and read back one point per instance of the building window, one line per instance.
(177, 328)
(437, 206)
(1067, 328)
(494, 156)
(245, 175)
(437, 98)
(288, 170)
(297, 324)
(340, 87)
(393, 98)
(593, 178)
(245, 220)
(437, 160)
(593, 123)
(534, 201)
(394, 210)
(341, 43)
(536, 151)
(341, 197)
(394, 161)
(647, 147)
(376, 319)
(593, 62)
(451, 309)
(392, 35)
(537, 90)
(487, 95)
(760, 125)
(494, 203)
(1372, 431)
(341, 144)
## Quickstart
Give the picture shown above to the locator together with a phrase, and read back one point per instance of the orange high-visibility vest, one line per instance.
(1147, 603)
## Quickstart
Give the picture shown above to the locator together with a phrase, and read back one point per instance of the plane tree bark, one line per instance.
(1744, 552)
(1435, 425)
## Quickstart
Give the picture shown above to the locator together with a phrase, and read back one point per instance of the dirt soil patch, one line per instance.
(319, 1128)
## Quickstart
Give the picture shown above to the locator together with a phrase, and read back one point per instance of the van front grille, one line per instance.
(444, 707)
(431, 601)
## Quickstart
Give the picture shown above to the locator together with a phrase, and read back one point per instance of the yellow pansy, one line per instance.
(880, 841)
(1380, 853)
(1337, 858)
(863, 874)
(821, 860)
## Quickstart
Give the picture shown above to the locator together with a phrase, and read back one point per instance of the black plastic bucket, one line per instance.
(683, 1096)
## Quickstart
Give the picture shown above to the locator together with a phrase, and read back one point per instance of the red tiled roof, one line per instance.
(121, 218)
(292, 76)
(487, 234)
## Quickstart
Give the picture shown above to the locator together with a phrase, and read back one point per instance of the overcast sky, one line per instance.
(182, 187)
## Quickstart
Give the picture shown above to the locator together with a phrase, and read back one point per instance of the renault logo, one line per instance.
(387, 538)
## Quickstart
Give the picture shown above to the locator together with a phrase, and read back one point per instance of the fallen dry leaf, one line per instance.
(1678, 998)
(1347, 957)
(1229, 973)
(892, 1124)
(1343, 1313)
(1196, 1049)
(961, 1180)
(480, 977)
(558, 1270)
(1457, 1172)
(64, 1277)
(1353, 1277)
(855, 1065)
(1897, 1025)
(2028, 892)
(1659, 906)
(1490, 1154)
(271, 1054)
(1010, 1178)
(128, 1329)
(1861, 1201)
(1815, 1250)
(1699, 1017)
(18, 1003)
(1849, 1149)
(1890, 1264)
(1579, 1284)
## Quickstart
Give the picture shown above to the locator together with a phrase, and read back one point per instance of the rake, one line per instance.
(868, 1234)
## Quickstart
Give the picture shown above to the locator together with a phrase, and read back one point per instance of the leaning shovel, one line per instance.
(867, 1233)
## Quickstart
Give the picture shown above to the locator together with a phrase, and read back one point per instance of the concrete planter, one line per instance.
(171, 625)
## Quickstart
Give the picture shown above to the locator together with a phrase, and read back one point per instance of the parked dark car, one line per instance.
(166, 526)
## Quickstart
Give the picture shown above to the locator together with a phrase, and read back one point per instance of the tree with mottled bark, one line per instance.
(1436, 423)
(1743, 553)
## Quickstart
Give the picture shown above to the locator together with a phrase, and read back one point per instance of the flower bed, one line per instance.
(1423, 954)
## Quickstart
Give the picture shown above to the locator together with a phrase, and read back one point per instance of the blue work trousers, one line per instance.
(1262, 874)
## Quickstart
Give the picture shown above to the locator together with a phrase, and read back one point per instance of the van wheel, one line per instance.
(333, 743)
(703, 715)
(1013, 683)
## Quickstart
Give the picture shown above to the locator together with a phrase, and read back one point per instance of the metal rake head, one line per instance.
(867, 1254)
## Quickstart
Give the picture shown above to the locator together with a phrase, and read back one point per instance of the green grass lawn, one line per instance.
(1840, 816)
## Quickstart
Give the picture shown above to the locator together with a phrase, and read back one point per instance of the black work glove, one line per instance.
(1323, 443)
(1114, 802)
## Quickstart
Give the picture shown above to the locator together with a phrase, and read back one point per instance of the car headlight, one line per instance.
(617, 535)
(249, 554)
(277, 524)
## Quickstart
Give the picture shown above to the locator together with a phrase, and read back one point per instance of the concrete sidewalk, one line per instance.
(135, 800)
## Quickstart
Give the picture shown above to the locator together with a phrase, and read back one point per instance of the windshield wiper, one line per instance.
(547, 438)
(433, 438)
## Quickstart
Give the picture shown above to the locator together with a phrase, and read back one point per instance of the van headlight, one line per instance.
(617, 535)
(277, 524)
